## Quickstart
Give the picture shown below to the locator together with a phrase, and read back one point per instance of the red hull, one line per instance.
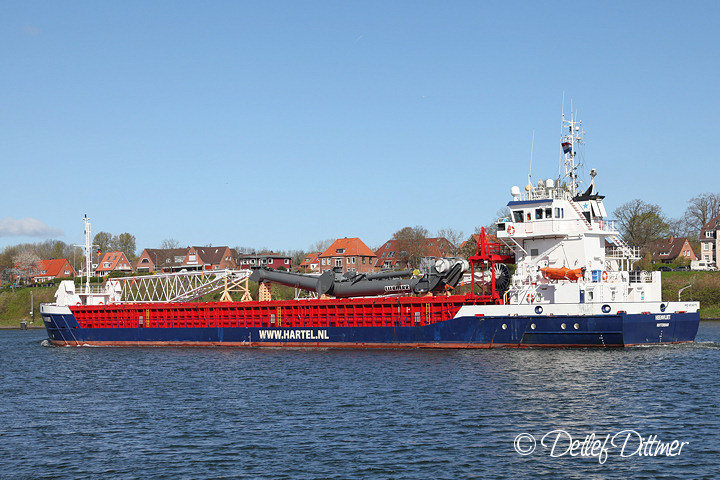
(359, 312)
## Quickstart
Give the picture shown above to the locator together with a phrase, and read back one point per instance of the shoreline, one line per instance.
(29, 327)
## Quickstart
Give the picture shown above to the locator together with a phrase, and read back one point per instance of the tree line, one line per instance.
(641, 223)
(23, 260)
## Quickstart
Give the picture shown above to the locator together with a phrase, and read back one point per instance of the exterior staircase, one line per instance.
(579, 211)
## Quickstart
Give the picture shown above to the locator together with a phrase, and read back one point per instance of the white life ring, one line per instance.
(511, 230)
(530, 297)
(604, 276)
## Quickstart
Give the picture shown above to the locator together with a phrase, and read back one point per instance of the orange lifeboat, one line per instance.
(563, 273)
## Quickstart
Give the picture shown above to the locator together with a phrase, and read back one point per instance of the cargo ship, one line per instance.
(573, 286)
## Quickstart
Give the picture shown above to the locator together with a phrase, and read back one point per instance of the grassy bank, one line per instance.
(15, 305)
(704, 287)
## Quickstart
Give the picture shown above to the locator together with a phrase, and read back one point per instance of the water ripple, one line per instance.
(162, 413)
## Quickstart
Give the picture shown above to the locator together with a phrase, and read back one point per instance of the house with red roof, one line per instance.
(390, 257)
(52, 269)
(349, 255)
(669, 250)
(311, 264)
(114, 261)
(208, 258)
(161, 259)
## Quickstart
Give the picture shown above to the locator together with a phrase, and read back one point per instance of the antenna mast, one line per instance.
(570, 140)
(88, 254)
(532, 147)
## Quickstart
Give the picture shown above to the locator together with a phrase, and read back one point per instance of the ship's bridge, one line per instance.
(555, 216)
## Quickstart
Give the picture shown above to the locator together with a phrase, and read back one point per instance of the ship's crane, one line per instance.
(443, 276)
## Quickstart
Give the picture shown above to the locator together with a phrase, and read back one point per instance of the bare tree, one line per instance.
(491, 228)
(455, 237)
(49, 249)
(321, 245)
(296, 257)
(680, 227)
(169, 244)
(700, 210)
(27, 265)
(411, 244)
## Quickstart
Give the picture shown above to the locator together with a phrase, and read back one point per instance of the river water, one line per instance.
(82, 412)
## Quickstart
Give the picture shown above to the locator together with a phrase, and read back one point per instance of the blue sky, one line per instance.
(278, 124)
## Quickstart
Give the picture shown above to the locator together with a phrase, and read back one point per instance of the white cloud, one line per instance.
(27, 227)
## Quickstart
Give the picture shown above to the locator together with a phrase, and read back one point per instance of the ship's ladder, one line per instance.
(579, 211)
(623, 246)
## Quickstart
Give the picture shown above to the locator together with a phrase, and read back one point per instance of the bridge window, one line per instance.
(518, 216)
(548, 212)
(538, 214)
(559, 212)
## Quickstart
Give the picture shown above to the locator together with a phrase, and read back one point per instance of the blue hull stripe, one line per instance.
(462, 332)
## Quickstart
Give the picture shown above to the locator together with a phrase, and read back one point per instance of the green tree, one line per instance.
(640, 223)
(7, 256)
(125, 243)
(469, 247)
(103, 241)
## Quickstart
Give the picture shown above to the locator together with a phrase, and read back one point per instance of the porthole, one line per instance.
(563, 326)
(606, 308)
(504, 326)
(538, 309)
(576, 326)
(532, 326)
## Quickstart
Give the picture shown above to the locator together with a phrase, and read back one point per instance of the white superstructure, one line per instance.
(566, 249)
